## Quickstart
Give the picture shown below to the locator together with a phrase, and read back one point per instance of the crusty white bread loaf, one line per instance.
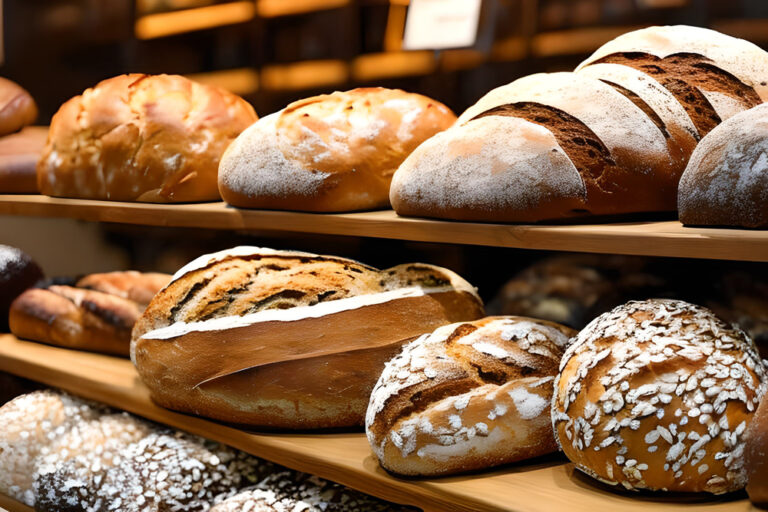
(335, 152)
(657, 395)
(287, 339)
(726, 181)
(17, 108)
(97, 314)
(467, 396)
(142, 138)
(612, 138)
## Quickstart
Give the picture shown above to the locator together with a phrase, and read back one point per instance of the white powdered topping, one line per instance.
(726, 181)
(10, 256)
(289, 315)
(725, 106)
(254, 165)
(491, 164)
(745, 60)
(529, 405)
(712, 372)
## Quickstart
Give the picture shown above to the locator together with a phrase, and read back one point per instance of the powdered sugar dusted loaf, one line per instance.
(657, 395)
(726, 181)
(335, 152)
(613, 138)
(467, 396)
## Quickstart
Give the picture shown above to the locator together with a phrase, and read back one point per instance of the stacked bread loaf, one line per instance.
(611, 138)
(287, 339)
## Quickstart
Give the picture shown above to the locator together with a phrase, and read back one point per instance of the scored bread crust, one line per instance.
(726, 181)
(656, 395)
(334, 152)
(467, 396)
(142, 138)
(285, 339)
(17, 108)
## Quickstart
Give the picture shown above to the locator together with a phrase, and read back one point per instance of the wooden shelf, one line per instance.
(12, 505)
(545, 485)
(666, 238)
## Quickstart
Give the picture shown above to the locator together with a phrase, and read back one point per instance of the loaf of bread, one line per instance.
(657, 395)
(335, 152)
(611, 138)
(19, 153)
(287, 339)
(141, 138)
(467, 396)
(756, 456)
(97, 314)
(17, 108)
(726, 181)
(18, 271)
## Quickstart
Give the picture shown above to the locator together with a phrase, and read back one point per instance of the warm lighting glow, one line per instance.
(305, 75)
(276, 8)
(575, 41)
(240, 81)
(377, 66)
(170, 23)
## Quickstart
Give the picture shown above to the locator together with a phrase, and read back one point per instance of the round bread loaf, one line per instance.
(31, 425)
(726, 181)
(141, 138)
(18, 271)
(17, 108)
(467, 396)
(287, 339)
(756, 456)
(335, 152)
(657, 395)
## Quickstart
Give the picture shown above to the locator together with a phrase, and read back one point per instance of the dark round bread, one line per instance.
(17, 273)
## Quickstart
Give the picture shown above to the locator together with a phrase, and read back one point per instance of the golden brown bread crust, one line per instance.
(17, 108)
(467, 396)
(656, 395)
(19, 153)
(139, 287)
(284, 339)
(141, 138)
(756, 456)
(334, 152)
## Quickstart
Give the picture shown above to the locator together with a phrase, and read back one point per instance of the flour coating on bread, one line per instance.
(656, 395)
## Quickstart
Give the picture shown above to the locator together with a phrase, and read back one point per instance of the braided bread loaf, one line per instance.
(467, 396)
(611, 138)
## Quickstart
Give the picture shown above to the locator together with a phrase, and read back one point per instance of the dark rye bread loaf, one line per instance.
(612, 138)
(287, 339)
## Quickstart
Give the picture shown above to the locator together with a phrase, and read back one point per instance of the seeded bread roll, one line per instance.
(726, 181)
(756, 456)
(467, 396)
(96, 315)
(287, 339)
(17, 108)
(657, 395)
(18, 271)
(335, 152)
(612, 138)
(141, 138)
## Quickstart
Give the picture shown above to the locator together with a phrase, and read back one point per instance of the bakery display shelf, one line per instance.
(12, 505)
(659, 238)
(543, 485)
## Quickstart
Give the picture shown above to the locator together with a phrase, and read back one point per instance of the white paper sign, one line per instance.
(439, 24)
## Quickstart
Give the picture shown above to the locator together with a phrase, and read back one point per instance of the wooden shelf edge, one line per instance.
(11, 505)
(657, 238)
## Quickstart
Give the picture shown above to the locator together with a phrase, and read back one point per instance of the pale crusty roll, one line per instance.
(287, 339)
(335, 152)
(726, 181)
(467, 396)
(141, 138)
(657, 395)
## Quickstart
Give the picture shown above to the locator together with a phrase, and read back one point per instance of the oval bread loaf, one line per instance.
(17, 108)
(335, 152)
(657, 395)
(467, 396)
(287, 339)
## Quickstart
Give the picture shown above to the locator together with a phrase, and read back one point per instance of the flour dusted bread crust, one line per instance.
(611, 138)
(17, 108)
(287, 339)
(657, 395)
(467, 396)
(141, 138)
(726, 181)
(335, 152)
(97, 314)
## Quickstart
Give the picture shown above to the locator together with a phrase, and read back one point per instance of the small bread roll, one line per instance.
(18, 271)
(657, 395)
(726, 181)
(141, 138)
(17, 108)
(467, 396)
(335, 152)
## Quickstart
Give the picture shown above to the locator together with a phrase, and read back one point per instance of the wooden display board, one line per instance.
(547, 484)
(665, 238)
